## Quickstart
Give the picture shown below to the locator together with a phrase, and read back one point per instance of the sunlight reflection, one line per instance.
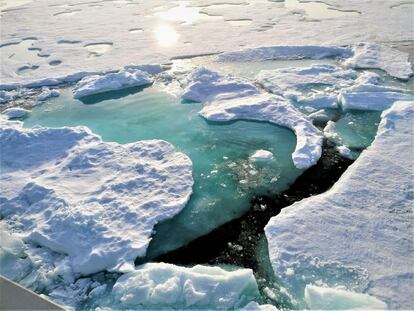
(165, 35)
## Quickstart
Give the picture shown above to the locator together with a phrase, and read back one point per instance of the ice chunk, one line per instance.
(47, 93)
(204, 85)
(276, 110)
(14, 113)
(375, 101)
(375, 56)
(98, 202)
(319, 101)
(358, 233)
(125, 78)
(5, 96)
(322, 298)
(285, 53)
(254, 306)
(292, 82)
(158, 285)
(261, 155)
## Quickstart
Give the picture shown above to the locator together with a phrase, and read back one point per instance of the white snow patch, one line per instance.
(261, 155)
(375, 56)
(125, 78)
(273, 109)
(322, 298)
(286, 53)
(67, 190)
(13, 113)
(157, 285)
(360, 231)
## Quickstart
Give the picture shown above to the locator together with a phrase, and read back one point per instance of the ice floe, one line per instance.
(14, 113)
(293, 82)
(158, 285)
(276, 110)
(125, 78)
(47, 93)
(254, 306)
(67, 190)
(204, 85)
(375, 56)
(261, 155)
(322, 298)
(359, 233)
(375, 101)
(286, 53)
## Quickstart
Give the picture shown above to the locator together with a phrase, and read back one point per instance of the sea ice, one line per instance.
(359, 233)
(375, 56)
(14, 113)
(273, 109)
(5, 97)
(125, 78)
(67, 190)
(322, 298)
(294, 82)
(160, 285)
(47, 93)
(286, 53)
(204, 85)
(254, 306)
(374, 101)
(261, 155)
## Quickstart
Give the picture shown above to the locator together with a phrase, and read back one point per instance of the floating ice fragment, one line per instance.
(322, 298)
(158, 285)
(14, 113)
(261, 155)
(125, 78)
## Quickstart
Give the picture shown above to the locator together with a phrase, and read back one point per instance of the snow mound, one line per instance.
(375, 56)
(157, 285)
(285, 53)
(67, 190)
(14, 113)
(322, 298)
(204, 85)
(125, 78)
(276, 110)
(358, 233)
(261, 155)
(374, 101)
(293, 82)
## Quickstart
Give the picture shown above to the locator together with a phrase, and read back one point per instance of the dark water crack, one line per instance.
(238, 242)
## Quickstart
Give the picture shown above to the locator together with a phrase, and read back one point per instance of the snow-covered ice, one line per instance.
(47, 93)
(254, 306)
(203, 85)
(261, 155)
(158, 285)
(375, 56)
(375, 101)
(359, 233)
(293, 82)
(14, 113)
(273, 109)
(125, 78)
(286, 53)
(67, 190)
(322, 298)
